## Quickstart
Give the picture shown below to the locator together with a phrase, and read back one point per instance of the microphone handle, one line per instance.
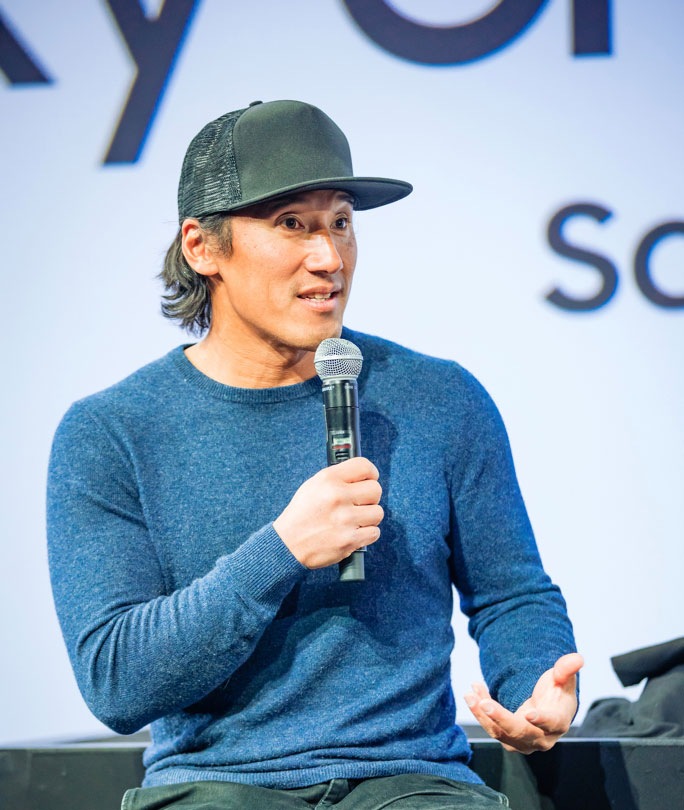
(341, 405)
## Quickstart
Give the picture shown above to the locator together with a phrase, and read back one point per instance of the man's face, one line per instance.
(286, 283)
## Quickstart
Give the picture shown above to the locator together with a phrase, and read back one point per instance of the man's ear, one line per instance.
(196, 248)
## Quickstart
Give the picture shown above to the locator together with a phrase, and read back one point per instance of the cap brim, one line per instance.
(368, 192)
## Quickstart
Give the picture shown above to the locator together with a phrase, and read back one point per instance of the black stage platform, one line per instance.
(578, 774)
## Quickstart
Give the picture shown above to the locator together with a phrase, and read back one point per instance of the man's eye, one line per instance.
(342, 223)
(290, 222)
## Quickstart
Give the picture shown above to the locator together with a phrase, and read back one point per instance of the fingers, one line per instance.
(552, 724)
(365, 536)
(365, 516)
(554, 713)
(530, 728)
(486, 710)
(513, 732)
(365, 492)
(333, 513)
(480, 690)
(355, 469)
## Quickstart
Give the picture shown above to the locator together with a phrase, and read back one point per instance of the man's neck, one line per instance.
(261, 367)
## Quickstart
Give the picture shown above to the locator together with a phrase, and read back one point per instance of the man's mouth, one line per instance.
(319, 296)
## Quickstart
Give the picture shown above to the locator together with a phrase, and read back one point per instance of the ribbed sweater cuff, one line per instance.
(263, 568)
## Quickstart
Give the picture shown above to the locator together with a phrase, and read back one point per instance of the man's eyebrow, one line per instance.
(269, 206)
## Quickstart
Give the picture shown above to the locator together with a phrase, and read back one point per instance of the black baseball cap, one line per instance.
(270, 149)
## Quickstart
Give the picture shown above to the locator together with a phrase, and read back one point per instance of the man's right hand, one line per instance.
(334, 513)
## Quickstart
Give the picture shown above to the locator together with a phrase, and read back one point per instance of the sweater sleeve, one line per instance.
(139, 651)
(517, 615)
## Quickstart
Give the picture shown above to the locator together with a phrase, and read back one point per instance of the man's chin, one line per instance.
(313, 342)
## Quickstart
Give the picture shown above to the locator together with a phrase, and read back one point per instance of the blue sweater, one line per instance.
(181, 606)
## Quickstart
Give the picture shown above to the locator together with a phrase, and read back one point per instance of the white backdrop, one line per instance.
(495, 148)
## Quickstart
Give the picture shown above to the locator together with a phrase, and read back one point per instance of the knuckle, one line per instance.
(349, 546)
(325, 474)
(369, 468)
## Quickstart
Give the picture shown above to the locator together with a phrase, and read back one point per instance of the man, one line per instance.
(194, 528)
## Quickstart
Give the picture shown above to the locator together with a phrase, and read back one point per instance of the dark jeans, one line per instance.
(404, 792)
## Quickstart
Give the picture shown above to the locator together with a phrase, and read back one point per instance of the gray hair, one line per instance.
(188, 296)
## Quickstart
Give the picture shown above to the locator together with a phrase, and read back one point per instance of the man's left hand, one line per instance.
(542, 719)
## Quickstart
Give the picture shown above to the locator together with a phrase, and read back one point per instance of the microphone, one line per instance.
(338, 363)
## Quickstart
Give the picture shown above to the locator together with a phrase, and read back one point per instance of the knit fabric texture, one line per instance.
(182, 607)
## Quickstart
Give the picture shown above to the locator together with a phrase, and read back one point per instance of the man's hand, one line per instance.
(542, 719)
(334, 513)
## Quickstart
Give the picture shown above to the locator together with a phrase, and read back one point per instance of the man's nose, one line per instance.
(322, 255)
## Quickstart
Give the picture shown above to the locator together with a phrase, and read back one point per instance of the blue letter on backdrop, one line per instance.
(154, 45)
(606, 269)
(642, 265)
(458, 44)
(444, 45)
(591, 27)
(15, 60)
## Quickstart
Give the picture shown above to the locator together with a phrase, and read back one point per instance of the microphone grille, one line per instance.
(336, 357)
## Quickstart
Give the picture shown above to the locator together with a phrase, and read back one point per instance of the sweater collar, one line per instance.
(193, 376)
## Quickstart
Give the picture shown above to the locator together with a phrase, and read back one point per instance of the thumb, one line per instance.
(566, 667)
